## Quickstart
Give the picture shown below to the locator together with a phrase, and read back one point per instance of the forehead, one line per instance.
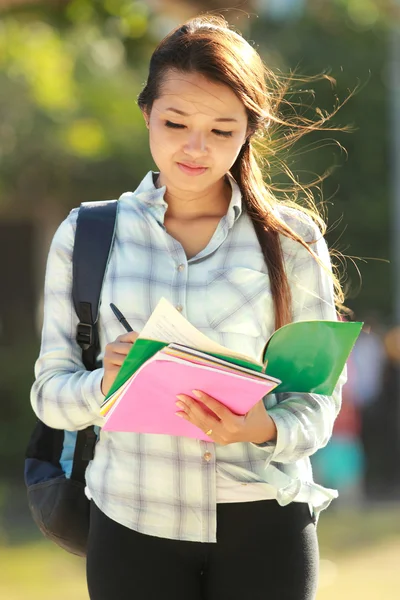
(193, 93)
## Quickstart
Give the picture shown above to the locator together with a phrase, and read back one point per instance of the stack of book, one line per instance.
(172, 357)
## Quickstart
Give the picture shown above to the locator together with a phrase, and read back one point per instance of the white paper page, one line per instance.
(166, 324)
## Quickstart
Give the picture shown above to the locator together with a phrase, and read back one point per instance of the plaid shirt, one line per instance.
(163, 485)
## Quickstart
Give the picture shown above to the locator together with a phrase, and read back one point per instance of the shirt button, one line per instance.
(181, 267)
(207, 456)
(179, 307)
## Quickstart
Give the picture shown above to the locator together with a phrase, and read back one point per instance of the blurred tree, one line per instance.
(70, 72)
(70, 131)
(69, 78)
(357, 191)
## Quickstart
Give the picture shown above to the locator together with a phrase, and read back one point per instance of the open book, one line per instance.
(306, 356)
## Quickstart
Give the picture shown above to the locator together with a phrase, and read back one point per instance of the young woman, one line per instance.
(176, 517)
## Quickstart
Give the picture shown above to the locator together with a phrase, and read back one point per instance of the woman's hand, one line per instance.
(114, 356)
(226, 427)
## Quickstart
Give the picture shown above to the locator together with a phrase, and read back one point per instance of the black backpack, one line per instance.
(56, 460)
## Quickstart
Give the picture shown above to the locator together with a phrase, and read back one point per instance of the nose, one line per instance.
(196, 144)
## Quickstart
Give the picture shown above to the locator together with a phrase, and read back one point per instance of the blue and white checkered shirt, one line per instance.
(163, 485)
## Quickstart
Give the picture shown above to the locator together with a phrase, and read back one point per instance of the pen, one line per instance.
(120, 317)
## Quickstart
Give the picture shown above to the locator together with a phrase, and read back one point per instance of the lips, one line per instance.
(192, 166)
(192, 171)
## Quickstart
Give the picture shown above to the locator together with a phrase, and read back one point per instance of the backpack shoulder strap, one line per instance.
(94, 237)
(93, 242)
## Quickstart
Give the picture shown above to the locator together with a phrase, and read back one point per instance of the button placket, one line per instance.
(180, 267)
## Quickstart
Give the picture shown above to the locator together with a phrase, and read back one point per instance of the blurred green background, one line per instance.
(70, 131)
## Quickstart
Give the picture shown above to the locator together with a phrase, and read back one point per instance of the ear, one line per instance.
(146, 117)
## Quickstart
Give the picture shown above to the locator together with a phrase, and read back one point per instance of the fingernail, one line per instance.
(196, 393)
(180, 404)
(179, 415)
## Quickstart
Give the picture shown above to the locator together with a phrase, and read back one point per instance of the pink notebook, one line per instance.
(147, 405)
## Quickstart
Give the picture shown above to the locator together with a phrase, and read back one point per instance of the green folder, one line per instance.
(307, 356)
(141, 351)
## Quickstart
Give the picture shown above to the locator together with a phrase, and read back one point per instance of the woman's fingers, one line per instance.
(115, 358)
(207, 413)
(213, 405)
(129, 337)
(121, 346)
(114, 355)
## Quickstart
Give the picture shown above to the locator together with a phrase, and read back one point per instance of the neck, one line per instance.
(188, 205)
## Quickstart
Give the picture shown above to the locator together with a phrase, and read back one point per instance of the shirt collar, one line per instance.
(235, 206)
(153, 198)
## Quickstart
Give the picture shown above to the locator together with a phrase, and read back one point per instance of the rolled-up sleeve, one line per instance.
(64, 395)
(304, 422)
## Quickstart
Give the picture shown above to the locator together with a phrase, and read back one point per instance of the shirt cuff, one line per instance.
(274, 448)
(93, 395)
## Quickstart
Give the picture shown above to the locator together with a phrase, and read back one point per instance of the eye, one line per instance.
(216, 131)
(223, 133)
(173, 125)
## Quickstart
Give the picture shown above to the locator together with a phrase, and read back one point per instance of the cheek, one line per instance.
(162, 142)
(236, 148)
(229, 153)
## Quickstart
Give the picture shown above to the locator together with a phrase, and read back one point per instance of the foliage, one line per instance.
(17, 420)
(71, 131)
(70, 76)
(69, 83)
(357, 192)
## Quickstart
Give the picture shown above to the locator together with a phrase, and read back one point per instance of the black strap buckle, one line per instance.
(88, 449)
(84, 335)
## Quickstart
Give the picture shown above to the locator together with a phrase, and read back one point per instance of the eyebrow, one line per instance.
(220, 120)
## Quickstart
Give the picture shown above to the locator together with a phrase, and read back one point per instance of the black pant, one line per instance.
(263, 552)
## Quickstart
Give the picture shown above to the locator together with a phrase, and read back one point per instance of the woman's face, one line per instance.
(198, 122)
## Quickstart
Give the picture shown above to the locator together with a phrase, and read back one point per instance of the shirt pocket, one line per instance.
(239, 301)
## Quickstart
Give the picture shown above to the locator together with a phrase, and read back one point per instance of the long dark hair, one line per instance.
(206, 45)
